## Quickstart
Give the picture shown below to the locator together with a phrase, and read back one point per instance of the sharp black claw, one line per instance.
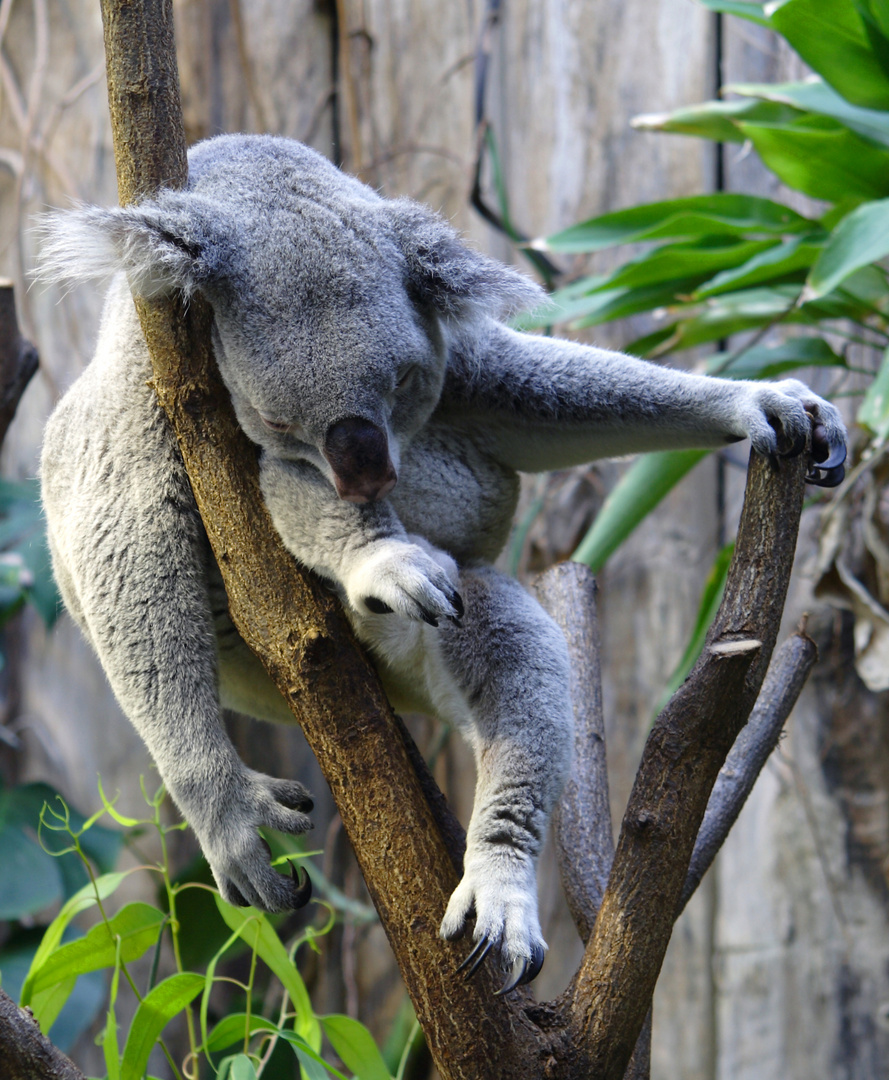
(428, 617)
(476, 958)
(377, 606)
(538, 954)
(837, 457)
(799, 444)
(826, 478)
(515, 977)
(457, 601)
(303, 892)
(235, 898)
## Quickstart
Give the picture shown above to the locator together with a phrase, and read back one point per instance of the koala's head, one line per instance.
(332, 306)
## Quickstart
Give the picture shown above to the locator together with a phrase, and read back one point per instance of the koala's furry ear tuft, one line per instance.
(162, 245)
(444, 272)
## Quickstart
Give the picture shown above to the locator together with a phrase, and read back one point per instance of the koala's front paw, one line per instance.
(239, 857)
(789, 408)
(405, 579)
(501, 890)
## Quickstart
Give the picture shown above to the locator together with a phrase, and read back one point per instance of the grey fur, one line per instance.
(359, 339)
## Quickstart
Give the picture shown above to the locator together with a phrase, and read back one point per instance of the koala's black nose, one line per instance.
(358, 452)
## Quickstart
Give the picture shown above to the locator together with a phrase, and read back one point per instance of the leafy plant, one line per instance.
(801, 290)
(238, 1045)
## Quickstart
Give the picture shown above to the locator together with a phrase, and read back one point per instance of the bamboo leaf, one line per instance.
(716, 120)
(773, 264)
(768, 362)
(711, 598)
(636, 494)
(874, 410)
(719, 214)
(823, 159)
(860, 238)
(743, 8)
(155, 1011)
(815, 96)
(832, 39)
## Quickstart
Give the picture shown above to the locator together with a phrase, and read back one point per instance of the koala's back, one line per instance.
(109, 464)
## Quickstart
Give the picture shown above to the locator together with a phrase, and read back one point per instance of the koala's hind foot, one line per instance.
(228, 831)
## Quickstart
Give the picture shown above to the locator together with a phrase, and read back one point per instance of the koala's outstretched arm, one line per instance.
(542, 403)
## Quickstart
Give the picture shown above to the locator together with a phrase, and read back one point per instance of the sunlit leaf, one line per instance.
(768, 362)
(831, 37)
(356, 1048)
(636, 494)
(873, 412)
(774, 264)
(686, 262)
(744, 8)
(823, 159)
(815, 96)
(707, 608)
(860, 238)
(716, 120)
(136, 925)
(155, 1011)
(719, 214)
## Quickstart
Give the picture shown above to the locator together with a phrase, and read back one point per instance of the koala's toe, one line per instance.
(293, 795)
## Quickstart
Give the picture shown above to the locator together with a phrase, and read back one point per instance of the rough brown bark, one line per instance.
(18, 359)
(683, 755)
(26, 1054)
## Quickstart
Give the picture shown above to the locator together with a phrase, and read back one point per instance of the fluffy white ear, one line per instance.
(444, 272)
(162, 246)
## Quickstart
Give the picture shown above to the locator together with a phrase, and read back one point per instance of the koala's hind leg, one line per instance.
(503, 677)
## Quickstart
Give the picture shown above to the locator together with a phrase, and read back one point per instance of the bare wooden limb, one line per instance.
(785, 679)
(686, 749)
(582, 821)
(26, 1054)
(18, 359)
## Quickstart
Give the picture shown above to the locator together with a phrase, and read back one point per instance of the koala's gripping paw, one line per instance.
(238, 855)
(783, 414)
(504, 900)
(405, 579)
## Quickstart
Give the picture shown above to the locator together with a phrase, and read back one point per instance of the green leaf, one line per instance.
(356, 1047)
(155, 1011)
(239, 1067)
(137, 925)
(860, 238)
(716, 120)
(636, 494)
(260, 935)
(81, 901)
(873, 412)
(719, 214)
(775, 263)
(234, 1027)
(823, 159)
(686, 262)
(47, 1004)
(709, 605)
(815, 96)
(832, 39)
(313, 1065)
(768, 362)
(746, 10)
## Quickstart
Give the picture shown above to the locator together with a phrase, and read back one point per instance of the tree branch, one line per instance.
(26, 1053)
(684, 753)
(284, 615)
(785, 679)
(582, 820)
(18, 359)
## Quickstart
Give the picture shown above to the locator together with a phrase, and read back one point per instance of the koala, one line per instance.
(364, 349)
